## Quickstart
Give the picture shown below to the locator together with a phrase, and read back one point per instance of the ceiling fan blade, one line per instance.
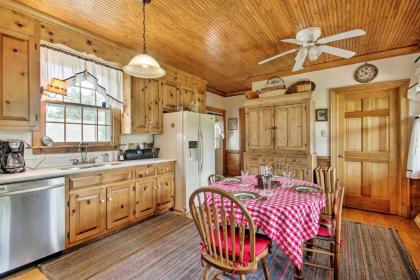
(300, 59)
(292, 41)
(341, 36)
(337, 51)
(277, 56)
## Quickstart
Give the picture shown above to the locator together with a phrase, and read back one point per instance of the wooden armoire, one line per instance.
(280, 131)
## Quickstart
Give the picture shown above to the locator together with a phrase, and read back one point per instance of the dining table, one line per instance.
(288, 217)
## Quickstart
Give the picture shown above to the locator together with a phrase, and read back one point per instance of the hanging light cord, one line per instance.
(144, 26)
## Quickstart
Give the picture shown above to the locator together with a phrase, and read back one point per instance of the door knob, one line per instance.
(341, 155)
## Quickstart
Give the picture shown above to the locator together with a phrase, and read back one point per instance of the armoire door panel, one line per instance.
(266, 125)
(297, 126)
(281, 125)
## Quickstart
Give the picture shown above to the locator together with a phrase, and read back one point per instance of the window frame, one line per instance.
(65, 104)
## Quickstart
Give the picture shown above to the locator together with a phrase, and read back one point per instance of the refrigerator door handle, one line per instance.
(200, 141)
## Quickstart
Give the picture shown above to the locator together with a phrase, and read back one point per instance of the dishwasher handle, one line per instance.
(27, 190)
(31, 186)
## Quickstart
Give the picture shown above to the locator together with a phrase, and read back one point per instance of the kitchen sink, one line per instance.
(89, 166)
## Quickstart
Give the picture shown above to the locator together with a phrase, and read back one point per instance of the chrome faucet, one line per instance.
(83, 149)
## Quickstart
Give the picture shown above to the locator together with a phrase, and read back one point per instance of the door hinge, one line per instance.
(134, 212)
(134, 188)
(68, 235)
(68, 203)
(36, 117)
(36, 46)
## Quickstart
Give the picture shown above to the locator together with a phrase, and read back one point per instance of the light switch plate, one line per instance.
(324, 133)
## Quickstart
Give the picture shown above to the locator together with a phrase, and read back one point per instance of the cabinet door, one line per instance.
(139, 105)
(145, 199)
(19, 82)
(281, 125)
(188, 97)
(119, 205)
(155, 106)
(297, 127)
(260, 128)
(201, 99)
(87, 214)
(165, 192)
(170, 92)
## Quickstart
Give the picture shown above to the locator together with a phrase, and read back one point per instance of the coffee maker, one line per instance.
(11, 156)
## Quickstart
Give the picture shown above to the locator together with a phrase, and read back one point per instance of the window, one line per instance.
(79, 116)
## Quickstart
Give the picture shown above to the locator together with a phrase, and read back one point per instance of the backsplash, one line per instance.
(42, 161)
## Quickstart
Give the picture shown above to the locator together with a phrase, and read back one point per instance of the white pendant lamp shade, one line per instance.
(144, 66)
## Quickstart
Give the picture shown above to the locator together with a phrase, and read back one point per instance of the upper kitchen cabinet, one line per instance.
(19, 72)
(146, 106)
(150, 98)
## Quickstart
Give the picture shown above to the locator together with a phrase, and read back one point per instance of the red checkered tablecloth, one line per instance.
(287, 217)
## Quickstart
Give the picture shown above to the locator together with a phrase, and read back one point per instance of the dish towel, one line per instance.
(413, 163)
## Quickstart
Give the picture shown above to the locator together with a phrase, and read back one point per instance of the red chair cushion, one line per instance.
(325, 227)
(262, 243)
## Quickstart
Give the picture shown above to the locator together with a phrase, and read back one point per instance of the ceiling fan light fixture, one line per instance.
(144, 65)
(314, 53)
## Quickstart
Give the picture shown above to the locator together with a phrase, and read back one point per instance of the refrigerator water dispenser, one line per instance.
(192, 150)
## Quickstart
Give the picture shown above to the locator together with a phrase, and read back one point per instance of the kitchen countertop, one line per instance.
(50, 172)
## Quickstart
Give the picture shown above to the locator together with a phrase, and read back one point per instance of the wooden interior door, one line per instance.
(260, 128)
(87, 214)
(155, 106)
(145, 198)
(119, 205)
(139, 105)
(367, 147)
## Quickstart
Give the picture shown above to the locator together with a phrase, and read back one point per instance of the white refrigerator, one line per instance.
(189, 138)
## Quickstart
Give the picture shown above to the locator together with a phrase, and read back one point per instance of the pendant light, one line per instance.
(143, 65)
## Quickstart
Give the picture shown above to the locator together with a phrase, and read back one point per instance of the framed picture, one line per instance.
(232, 123)
(321, 115)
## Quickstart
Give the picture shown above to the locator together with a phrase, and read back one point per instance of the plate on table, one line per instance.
(232, 180)
(246, 195)
(305, 189)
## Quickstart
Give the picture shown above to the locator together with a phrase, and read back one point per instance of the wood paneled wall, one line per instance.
(232, 163)
(414, 197)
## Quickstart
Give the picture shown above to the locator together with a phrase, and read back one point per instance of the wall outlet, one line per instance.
(324, 133)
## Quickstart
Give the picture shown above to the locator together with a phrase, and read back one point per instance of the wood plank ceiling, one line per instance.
(222, 41)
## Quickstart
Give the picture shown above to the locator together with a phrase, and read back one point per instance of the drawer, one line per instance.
(165, 167)
(100, 178)
(146, 171)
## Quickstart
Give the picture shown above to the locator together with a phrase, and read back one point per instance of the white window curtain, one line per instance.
(413, 164)
(59, 61)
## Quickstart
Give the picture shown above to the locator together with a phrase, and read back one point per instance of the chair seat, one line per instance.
(262, 243)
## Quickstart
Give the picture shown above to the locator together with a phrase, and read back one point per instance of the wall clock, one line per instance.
(366, 73)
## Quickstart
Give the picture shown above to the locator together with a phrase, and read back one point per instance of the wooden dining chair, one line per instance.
(229, 242)
(328, 240)
(215, 178)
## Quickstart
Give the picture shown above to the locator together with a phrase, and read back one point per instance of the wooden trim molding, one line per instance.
(402, 132)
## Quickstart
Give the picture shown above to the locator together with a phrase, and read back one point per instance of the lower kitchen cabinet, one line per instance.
(119, 207)
(145, 198)
(165, 192)
(87, 214)
(103, 202)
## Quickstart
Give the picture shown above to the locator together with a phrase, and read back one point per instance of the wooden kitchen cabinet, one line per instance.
(87, 214)
(146, 106)
(19, 81)
(119, 207)
(170, 96)
(100, 203)
(165, 192)
(188, 96)
(145, 198)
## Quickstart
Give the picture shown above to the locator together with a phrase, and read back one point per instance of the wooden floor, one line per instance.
(407, 230)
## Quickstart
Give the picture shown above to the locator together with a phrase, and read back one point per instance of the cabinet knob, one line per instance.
(341, 155)
(109, 198)
(73, 211)
(122, 206)
(102, 200)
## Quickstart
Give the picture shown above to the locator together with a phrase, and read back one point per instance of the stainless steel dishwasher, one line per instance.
(31, 221)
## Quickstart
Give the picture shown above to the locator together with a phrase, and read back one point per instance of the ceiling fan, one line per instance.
(311, 46)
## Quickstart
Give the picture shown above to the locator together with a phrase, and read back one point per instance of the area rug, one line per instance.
(167, 247)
